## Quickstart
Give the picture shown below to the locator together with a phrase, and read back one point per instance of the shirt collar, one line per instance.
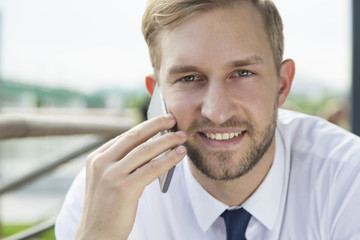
(263, 204)
(205, 207)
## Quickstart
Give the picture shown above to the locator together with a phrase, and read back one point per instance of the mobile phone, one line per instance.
(157, 107)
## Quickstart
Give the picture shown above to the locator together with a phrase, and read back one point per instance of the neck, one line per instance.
(235, 192)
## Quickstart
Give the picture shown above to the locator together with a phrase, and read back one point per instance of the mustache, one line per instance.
(205, 123)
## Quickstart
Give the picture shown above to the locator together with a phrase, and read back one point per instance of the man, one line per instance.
(219, 66)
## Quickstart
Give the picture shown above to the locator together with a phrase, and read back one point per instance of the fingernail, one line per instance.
(181, 134)
(169, 116)
(180, 149)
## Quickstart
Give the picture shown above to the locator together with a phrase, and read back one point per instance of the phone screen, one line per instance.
(157, 107)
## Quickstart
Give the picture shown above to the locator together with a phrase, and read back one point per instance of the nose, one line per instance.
(218, 105)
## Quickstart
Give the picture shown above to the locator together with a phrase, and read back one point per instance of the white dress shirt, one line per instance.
(312, 191)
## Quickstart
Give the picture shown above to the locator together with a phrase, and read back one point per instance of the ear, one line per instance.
(150, 82)
(287, 72)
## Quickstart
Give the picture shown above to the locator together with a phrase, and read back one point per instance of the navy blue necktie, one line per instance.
(236, 222)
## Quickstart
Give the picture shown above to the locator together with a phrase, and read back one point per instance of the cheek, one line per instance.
(185, 108)
(266, 99)
(255, 98)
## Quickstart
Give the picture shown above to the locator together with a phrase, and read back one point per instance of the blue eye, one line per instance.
(243, 73)
(190, 78)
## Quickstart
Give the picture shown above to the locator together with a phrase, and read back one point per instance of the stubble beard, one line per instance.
(226, 165)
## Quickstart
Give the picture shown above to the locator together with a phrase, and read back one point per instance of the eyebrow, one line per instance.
(251, 60)
(182, 69)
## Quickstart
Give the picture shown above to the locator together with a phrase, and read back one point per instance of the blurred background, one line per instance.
(72, 76)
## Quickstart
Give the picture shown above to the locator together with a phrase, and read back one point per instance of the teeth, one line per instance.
(222, 136)
(218, 136)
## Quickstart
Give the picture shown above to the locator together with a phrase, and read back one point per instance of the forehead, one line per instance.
(215, 36)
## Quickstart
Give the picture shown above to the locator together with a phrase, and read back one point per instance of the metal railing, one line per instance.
(21, 126)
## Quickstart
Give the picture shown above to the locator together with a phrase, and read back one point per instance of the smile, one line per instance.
(222, 136)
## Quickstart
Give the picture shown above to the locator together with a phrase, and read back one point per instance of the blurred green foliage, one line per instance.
(11, 92)
(304, 104)
(8, 230)
(332, 107)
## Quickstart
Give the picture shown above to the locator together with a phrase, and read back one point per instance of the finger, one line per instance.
(145, 152)
(157, 167)
(103, 147)
(138, 135)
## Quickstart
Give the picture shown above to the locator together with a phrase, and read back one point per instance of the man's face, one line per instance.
(218, 78)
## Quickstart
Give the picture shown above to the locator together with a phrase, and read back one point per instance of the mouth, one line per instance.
(223, 136)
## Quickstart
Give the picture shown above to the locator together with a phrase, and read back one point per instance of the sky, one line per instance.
(89, 45)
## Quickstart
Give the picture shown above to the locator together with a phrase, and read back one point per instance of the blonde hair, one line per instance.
(163, 15)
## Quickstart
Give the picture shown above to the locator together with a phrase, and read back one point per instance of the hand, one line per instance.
(118, 172)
